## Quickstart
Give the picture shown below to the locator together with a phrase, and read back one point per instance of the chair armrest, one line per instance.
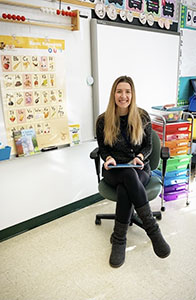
(165, 155)
(95, 153)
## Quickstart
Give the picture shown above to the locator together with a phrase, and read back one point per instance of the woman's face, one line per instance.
(123, 95)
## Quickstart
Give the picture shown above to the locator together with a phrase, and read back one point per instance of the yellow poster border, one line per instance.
(32, 42)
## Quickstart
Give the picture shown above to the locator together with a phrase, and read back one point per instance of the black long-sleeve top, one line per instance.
(123, 151)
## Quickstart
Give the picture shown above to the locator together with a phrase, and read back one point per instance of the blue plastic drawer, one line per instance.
(173, 180)
(180, 179)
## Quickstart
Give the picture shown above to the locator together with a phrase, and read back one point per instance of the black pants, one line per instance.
(129, 184)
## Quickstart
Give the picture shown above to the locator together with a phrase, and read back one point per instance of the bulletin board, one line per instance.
(149, 57)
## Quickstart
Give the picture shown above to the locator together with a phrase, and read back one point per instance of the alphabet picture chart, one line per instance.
(33, 92)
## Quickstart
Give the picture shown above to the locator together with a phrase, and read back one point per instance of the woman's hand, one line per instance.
(138, 161)
(109, 161)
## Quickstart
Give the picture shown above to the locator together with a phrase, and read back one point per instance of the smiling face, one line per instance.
(123, 95)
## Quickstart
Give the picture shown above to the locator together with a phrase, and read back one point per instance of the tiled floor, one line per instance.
(67, 259)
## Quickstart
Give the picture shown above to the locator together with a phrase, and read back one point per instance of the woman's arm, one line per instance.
(146, 146)
(103, 149)
(109, 161)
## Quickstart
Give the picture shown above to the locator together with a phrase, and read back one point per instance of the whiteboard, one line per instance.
(149, 57)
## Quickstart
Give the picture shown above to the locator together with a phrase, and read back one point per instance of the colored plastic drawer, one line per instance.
(175, 131)
(175, 195)
(180, 179)
(179, 151)
(174, 180)
(177, 143)
(171, 137)
(176, 187)
(179, 127)
(178, 147)
(173, 174)
(177, 163)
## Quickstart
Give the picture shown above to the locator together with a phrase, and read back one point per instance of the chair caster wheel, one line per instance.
(98, 221)
(162, 208)
(159, 217)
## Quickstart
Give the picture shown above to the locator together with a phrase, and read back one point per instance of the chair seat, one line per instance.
(153, 189)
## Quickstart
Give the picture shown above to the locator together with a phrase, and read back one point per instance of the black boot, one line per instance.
(118, 240)
(160, 246)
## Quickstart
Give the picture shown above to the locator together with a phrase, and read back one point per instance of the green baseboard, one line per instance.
(47, 217)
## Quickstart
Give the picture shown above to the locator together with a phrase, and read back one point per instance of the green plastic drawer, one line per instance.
(177, 162)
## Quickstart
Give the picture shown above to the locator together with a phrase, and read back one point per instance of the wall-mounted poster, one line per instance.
(32, 89)
(153, 6)
(135, 5)
(159, 8)
(188, 18)
(168, 9)
(118, 3)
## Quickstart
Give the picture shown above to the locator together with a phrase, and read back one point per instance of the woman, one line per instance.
(124, 135)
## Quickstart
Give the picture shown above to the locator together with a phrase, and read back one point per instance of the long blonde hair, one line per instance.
(112, 118)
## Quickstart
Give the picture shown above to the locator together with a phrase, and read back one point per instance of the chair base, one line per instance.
(134, 218)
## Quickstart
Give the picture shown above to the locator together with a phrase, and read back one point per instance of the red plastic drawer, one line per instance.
(180, 127)
(171, 137)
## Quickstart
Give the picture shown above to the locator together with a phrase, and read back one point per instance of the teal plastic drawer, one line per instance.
(173, 174)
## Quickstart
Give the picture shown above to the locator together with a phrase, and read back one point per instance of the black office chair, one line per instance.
(153, 188)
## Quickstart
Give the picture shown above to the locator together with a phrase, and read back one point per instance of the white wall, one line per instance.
(35, 185)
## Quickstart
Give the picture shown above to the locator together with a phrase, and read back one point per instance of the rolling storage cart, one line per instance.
(194, 147)
(175, 133)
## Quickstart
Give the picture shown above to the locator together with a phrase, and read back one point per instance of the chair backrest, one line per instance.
(154, 157)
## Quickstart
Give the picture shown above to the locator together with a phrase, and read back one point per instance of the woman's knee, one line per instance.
(130, 176)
